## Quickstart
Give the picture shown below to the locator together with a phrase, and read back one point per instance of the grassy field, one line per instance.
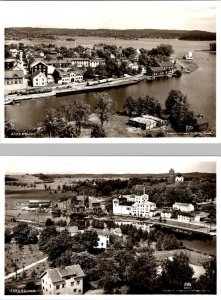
(20, 257)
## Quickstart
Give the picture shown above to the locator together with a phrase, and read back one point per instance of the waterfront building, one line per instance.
(80, 62)
(39, 66)
(14, 77)
(156, 72)
(68, 76)
(168, 66)
(63, 281)
(166, 214)
(184, 207)
(39, 79)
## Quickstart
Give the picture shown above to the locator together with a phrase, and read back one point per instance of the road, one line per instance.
(25, 268)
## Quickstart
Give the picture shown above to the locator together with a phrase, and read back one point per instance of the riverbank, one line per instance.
(186, 66)
(76, 89)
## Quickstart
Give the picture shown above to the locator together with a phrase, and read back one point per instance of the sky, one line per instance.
(188, 15)
(107, 164)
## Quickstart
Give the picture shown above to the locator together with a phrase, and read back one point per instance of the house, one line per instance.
(166, 214)
(39, 66)
(63, 281)
(63, 76)
(39, 203)
(9, 63)
(141, 206)
(93, 63)
(14, 77)
(14, 52)
(184, 207)
(193, 217)
(168, 66)
(146, 122)
(156, 71)
(73, 230)
(179, 178)
(80, 62)
(39, 79)
(103, 238)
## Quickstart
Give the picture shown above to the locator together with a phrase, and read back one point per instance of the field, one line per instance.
(19, 258)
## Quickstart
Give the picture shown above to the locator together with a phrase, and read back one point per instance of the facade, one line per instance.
(69, 76)
(184, 207)
(14, 77)
(63, 281)
(39, 66)
(156, 71)
(179, 178)
(39, 79)
(86, 62)
(103, 238)
(167, 66)
(166, 214)
(140, 207)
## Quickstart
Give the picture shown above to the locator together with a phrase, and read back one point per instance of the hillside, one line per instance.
(19, 33)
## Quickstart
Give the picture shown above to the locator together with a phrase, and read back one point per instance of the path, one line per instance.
(25, 268)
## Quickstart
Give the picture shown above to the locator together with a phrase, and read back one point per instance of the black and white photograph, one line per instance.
(101, 225)
(109, 69)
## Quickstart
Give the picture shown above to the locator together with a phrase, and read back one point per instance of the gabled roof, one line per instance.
(156, 69)
(37, 73)
(12, 73)
(182, 204)
(58, 275)
(37, 62)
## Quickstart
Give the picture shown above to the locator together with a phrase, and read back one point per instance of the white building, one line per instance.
(70, 76)
(166, 214)
(179, 178)
(39, 79)
(139, 206)
(185, 207)
(63, 281)
(103, 238)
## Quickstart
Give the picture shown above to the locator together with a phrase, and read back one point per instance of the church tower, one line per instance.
(171, 178)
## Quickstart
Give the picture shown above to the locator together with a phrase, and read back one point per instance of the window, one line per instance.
(79, 291)
(63, 285)
(75, 290)
(78, 282)
(57, 287)
(43, 287)
(102, 244)
(72, 283)
(58, 293)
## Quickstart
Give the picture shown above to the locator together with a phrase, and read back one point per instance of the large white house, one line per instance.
(63, 281)
(185, 207)
(134, 205)
(39, 79)
(103, 238)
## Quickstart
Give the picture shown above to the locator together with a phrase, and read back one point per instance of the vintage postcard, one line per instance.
(77, 71)
(110, 225)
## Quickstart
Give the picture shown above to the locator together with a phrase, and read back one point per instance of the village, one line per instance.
(64, 231)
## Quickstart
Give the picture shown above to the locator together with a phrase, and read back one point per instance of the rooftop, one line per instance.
(14, 73)
(59, 274)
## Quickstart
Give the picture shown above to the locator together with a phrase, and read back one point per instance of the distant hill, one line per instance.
(19, 33)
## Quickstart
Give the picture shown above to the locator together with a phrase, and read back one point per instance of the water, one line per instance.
(206, 246)
(199, 86)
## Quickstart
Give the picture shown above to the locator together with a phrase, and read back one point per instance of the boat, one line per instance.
(188, 56)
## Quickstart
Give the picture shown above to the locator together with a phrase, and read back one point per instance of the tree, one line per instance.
(103, 106)
(25, 234)
(9, 129)
(180, 115)
(97, 132)
(49, 222)
(52, 124)
(207, 281)
(142, 274)
(45, 236)
(7, 236)
(130, 106)
(176, 272)
(178, 73)
(149, 105)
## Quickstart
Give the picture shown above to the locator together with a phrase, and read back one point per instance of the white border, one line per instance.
(3, 162)
(5, 10)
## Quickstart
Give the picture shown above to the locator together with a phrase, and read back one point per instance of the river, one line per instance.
(199, 86)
